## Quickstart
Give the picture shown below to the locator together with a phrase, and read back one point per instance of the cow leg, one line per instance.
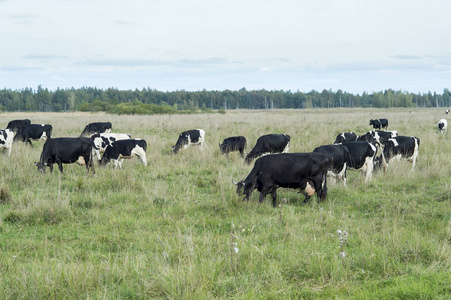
(307, 199)
(242, 153)
(29, 142)
(51, 168)
(60, 166)
(274, 196)
(262, 196)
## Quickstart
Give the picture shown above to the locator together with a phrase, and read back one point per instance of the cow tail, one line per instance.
(91, 158)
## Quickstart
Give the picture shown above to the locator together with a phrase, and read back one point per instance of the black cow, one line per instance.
(189, 138)
(124, 149)
(338, 156)
(304, 171)
(378, 136)
(96, 127)
(16, 125)
(268, 144)
(34, 132)
(361, 157)
(234, 143)
(379, 123)
(346, 137)
(66, 151)
(405, 147)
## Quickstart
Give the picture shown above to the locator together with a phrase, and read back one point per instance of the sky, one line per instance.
(299, 45)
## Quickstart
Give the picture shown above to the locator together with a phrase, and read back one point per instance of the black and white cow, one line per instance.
(66, 151)
(125, 149)
(189, 138)
(378, 135)
(442, 125)
(345, 137)
(338, 156)
(268, 144)
(234, 143)
(446, 111)
(361, 157)
(102, 140)
(405, 147)
(16, 125)
(96, 127)
(379, 123)
(34, 132)
(6, 139)
(304, 171)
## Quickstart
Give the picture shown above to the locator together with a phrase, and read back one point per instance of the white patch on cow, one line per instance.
(414, 156)
(444, 125)
(287, 148)
(8, 141)
(98, 141)
(309, 190)
(341, 175)
(81, 161)
(137, 151)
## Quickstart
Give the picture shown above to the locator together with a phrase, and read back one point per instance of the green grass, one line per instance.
(168, 230)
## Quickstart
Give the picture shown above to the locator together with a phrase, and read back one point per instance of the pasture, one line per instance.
(177, 230)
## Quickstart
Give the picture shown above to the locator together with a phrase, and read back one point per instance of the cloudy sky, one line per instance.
(352, 45)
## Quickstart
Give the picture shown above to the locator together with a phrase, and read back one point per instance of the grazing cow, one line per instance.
(96, 127)
(268, 144)
(304, 171)
(378, 135)
(16, 125)
(446, 111)
(399, 147)
(66, 151)
(6, 139)
(125, 149)
(442, 125)
(102, 140)
(234, 143)
(34, 132)
(379, 123)
(189, 138)
(346, 137)
(361, 157)
(338, 156)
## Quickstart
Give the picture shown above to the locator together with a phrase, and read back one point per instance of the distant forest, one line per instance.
(149, 101)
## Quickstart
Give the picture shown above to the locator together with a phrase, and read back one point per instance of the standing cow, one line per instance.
(338, 156)
(125, 149)
(304, 171)
(34, 132)
(268, 144)
(361, 157)
(189, 138)
(6, 139)
(66, 151)
(16, 125)
(379, 123)
(345, 137)
(96, 127)
(234, 143)
(442, 125)
(102, 140)
(405, 147)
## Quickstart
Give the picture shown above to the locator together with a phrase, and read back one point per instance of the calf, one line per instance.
(379, 123)
(405, 147)
(189, 138)
(304, 171)
(267, 144)
(442, 125)
(34, 132)
(66, 151)
(6, 139)
(338, 156)
(346, 137)
(361, 157)
(234, 143)
(96, 127)
(102, 140)
(124, 149)
(16, 125)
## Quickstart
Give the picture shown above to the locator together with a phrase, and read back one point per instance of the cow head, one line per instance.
(223, 148)
(244, 187)
(371, 122)
(40, 166)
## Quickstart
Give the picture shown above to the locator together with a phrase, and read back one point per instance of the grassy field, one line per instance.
(177, 230)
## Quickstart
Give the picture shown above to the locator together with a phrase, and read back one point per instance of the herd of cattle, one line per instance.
(274, 167)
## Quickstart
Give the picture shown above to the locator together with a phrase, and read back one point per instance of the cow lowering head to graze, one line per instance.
(66, 151)
(96, 127)
(16, 125)
(442, 125)
(102, 140)
(268, 144)
(405, 147)
(6, 139)
(361, 157)
(234, 143)
(378, 136)
(338, 156)
(345, 137)
(304, 171)
(379, 123)
(34, 132)
(189, 138)
(125, 149)
(446, 111)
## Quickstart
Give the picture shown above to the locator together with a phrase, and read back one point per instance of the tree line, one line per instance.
(149, 101)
